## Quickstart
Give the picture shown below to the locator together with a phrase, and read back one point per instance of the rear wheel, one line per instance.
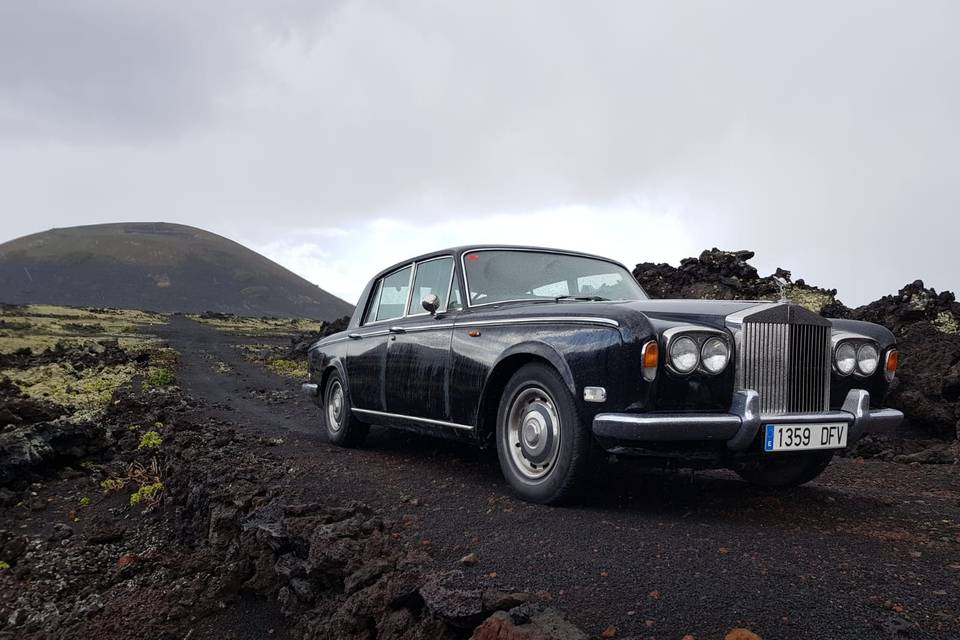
(789, 470)
(343, 428)
(543, 449)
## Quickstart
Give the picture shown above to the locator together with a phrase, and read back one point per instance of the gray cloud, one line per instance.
(822, 135)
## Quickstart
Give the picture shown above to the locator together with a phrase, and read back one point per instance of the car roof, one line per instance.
(456, 252)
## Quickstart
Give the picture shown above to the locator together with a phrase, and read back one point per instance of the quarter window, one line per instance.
(433, 277)
(393, 295)
(374, 305)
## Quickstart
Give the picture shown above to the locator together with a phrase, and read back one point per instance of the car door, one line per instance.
(367, 351)
(418, 350)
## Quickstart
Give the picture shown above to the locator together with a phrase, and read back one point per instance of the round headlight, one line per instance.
(684, 355)
(846, 358)
(714, 355)
(867, 359)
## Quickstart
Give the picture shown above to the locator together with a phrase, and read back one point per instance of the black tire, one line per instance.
(789, 470)
(552, 461)
(343, 429)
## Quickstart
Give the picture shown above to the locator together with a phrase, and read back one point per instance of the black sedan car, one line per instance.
(553, 356)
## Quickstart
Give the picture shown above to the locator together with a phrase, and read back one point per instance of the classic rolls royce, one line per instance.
(553, 356)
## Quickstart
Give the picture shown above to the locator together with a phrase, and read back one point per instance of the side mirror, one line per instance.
(431, 303)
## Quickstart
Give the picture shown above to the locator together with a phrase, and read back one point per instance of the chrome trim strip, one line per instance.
(608, 322)
(541, 319)
(384, 414)
(428, 327)
(466, 281)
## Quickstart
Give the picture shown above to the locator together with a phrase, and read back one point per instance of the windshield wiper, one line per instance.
(588, 298)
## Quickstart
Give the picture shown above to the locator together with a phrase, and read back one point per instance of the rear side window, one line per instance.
(433, 277)
(393, 295)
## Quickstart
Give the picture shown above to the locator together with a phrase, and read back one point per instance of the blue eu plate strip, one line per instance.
(768, 441)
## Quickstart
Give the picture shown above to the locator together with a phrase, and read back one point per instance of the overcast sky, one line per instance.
(339, 137)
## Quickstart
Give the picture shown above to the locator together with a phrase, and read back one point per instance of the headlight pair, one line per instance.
(704, 350)
(856, 356)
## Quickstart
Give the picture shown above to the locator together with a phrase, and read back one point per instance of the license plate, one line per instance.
(803, 437)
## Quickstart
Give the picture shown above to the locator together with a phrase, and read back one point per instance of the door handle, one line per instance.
(397, 330)
(355, 336)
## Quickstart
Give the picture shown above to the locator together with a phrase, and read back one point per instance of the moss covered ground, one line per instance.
(64, 376)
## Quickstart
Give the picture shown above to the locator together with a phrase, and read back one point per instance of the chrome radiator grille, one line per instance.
(787, 364)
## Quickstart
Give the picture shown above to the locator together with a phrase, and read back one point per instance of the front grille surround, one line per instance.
(783, 353)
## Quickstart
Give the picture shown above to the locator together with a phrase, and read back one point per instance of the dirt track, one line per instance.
(872, 549)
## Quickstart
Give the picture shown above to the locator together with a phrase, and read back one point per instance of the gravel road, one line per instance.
(869, 550)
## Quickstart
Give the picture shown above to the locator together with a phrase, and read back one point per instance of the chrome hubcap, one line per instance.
(335, 407)
(533, 433)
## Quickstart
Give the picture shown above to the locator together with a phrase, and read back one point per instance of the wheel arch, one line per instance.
(508, 364)
(335, 364)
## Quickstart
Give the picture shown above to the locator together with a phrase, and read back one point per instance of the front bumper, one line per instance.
(739, 428)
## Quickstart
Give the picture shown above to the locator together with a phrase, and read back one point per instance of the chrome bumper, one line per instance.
(310, 389)
(739, 428)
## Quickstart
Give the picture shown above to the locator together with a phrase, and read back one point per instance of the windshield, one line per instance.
(501, 276)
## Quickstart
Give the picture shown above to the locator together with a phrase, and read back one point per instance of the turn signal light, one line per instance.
(893, 361)
(651, 356)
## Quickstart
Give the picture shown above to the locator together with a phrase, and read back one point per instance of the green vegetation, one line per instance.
(296, 369)
(150, 440)
(112, 485)
(158, 377)
(39, 327)
(84, 501)
(88, 390)
(241, 325)
(148, 494)
(4, 566)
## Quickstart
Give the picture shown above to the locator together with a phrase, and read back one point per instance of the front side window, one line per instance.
(501, 276)
(393, 295)
(433, 277)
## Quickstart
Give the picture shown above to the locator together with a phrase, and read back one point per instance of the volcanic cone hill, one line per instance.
(158, 267)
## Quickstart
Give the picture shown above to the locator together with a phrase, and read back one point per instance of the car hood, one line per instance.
(637, 317)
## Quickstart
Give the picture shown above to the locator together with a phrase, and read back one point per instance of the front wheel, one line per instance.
(789, 470)
(542, 447)
(343, 429)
